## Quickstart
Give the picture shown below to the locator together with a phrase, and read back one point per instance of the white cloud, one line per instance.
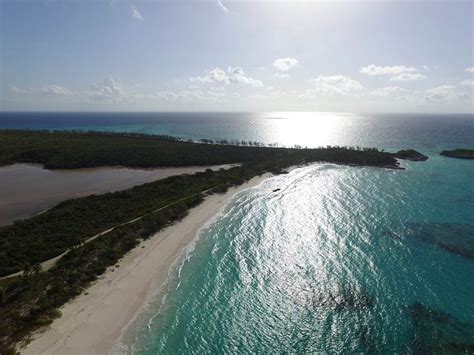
(166, 95)
(19, 91)
(335, 85)
(218, 88)
(408, 77)
(136, 14)
(237, 75)
(441, 93)
(109, 89)
(469, 82)
(222, 6)
(470, 70)
(281, 75)
(189, 95)
(216, 94)
(234, 75)
(398, 72)
(216, 75)
(285, 64)
(425, 67)
(55, 90)
(388, 90)
(373, 70)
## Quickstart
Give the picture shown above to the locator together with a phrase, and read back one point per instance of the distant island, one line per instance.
(53, 257)
(459, 153)
(410, 154)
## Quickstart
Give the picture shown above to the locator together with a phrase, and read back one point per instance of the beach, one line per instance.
(91, 323)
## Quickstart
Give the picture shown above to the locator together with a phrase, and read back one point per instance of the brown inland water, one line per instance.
(26, 189)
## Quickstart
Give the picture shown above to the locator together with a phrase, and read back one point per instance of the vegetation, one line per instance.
(33, 299)
(410, 154)
(69, 150)
(459, 153)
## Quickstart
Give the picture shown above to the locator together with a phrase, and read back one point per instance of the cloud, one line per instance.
(442, 93)
(234, 75)
(19, 91)
(470, 70)
(216, 75)
(388, 90)
(373, 70)
(216, 94)
(398, 72)
(190, 95)
(237, 75)
(285, 64)
(425, 67)
(56, 90)
(281, 75)
(109, 89)
(408, 77)
(136, 14)
(469, 82)
(222, 6)
(334, 85)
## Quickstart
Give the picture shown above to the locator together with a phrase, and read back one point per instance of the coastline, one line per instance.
(92, 322)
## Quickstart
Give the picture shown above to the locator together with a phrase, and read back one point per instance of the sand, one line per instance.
(91, 323)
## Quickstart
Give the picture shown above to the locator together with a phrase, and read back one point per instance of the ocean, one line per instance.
(339, 260)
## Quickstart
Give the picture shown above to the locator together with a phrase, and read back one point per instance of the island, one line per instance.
(52, 258)
(410, 154)
(459, 153)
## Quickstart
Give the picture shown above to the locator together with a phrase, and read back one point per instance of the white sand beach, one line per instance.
(91, 323)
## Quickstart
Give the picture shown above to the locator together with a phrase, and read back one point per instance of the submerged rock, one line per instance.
(437, 332)
(454, 238)
(341, 298)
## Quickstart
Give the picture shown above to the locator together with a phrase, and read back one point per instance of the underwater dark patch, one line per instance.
(437, 332)
(340, 298)
(453, 238)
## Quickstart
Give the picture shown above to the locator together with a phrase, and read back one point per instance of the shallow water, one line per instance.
(316, 267)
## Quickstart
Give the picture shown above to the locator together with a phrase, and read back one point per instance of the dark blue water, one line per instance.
(341, 259)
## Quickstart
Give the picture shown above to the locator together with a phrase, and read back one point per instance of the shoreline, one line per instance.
(95, 320)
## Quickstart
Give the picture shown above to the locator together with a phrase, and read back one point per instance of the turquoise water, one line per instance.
(340, 260)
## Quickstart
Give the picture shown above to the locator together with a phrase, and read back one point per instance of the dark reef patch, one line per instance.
(340, 298)
(436, 332)
(454, 238)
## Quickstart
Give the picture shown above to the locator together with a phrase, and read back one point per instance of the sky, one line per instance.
(123, 55)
